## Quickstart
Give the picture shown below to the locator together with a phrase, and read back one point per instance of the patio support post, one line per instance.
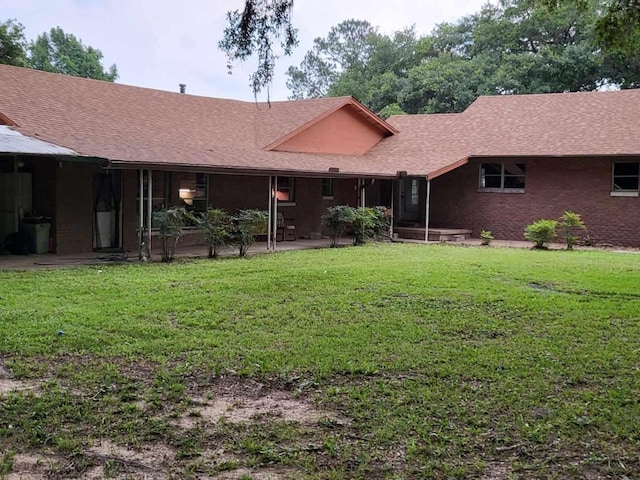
(140, 213)
(275, 212)
(16, 195)
(149, 209)
(270, 210)
(426, 215)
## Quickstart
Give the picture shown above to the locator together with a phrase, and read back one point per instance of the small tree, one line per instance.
(338, 219)
(569, 224)
(247, 224)
(170, 222)
(541, 232)
(217, 226)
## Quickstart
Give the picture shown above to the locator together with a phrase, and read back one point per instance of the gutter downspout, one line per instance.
(426, 219)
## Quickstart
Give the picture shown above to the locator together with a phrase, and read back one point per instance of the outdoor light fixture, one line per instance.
(187, 195)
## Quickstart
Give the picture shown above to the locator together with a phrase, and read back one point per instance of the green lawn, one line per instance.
(439, 361)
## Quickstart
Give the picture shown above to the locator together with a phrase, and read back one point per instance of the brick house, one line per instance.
(97, 158)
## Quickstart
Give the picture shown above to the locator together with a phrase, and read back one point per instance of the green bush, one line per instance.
(541, 232)
(338, 219)
(370, 224)
(217, 226)
(570, 223)
(364, 223)
(170, 222)
(486, 236)
(247, 224)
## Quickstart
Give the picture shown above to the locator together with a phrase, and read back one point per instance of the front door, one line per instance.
(410, 200)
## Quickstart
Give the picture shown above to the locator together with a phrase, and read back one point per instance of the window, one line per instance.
(414, 192)
(193, 190)
(160, 193)
(327, 188)
(286, 191)
(502, 177)
(625, 177)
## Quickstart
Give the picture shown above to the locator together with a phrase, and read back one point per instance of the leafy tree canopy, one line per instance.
(61, 52)
(518, 46)
(264, 22)
(13, 45)
(54, 51)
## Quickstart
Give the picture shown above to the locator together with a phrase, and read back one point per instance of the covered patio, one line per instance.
(48, 261)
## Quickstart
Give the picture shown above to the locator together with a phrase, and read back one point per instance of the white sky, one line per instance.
(161, 43)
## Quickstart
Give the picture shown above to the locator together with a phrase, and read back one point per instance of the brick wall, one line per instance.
(232, 192)
(553, 185)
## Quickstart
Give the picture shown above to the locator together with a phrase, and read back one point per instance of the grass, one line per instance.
(446, 360)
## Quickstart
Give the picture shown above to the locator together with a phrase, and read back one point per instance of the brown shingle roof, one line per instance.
(144, 126)
(425, 144)
(557, 124)
(140, 126)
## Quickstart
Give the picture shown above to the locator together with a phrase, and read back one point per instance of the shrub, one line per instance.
(569, 224)
(170, 222)
(247, 224)
(370, 224)
(486, 236)
(217, 226)
(365, 223)
(541, 232)
(338, 219)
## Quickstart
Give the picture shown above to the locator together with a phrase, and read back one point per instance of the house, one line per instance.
(98, 158)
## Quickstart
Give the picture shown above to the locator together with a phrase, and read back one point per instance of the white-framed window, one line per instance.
(626, 179)
(503, 177)
(327, 188)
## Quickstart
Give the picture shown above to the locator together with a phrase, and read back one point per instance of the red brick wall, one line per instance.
(232, 192)
(74, 208)
(553, 185)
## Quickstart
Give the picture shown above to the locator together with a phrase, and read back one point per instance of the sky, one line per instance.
(160, 43)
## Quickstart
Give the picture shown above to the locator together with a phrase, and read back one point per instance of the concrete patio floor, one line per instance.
(44, 261)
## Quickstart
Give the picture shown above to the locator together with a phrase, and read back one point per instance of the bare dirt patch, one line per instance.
(7, 385)
(31, 466)
(260, 474)
(149, 462)
(496, 471)
(239, 408)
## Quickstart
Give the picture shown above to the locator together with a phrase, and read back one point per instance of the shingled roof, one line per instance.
(133, 126)
(555, 124)
(140, 126)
